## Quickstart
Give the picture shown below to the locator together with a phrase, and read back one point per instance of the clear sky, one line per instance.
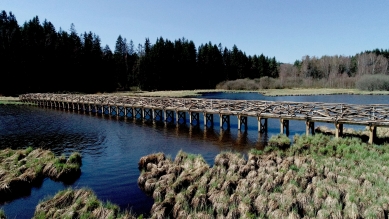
(285, 29)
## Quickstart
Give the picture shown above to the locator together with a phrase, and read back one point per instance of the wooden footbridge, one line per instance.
(176, 109)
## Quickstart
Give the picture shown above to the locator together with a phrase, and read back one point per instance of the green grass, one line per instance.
(2, 214)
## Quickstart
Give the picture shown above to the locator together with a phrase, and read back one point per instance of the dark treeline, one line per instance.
(34, 57)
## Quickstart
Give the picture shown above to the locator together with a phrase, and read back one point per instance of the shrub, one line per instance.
(280, 141)
(373, 82)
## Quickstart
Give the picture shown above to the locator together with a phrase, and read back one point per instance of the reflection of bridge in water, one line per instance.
(174, 110)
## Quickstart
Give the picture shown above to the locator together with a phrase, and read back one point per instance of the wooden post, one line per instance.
(239, 122)
(242, 120)
(262, 127)
(338, 130)
(372, 133)
(309, 127)
(284, 126)
(208, 117)
(224, 119)
(194, 117)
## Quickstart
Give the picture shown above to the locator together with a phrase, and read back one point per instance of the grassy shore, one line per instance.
(78, 203)
(9, 100)
(317, 177)
(22, 169)
(266, 92)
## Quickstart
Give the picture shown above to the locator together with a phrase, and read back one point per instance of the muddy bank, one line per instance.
(22, 169)
(318, 177)
(79, 203)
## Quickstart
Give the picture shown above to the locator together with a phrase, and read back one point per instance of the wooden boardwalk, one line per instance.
(175, 109)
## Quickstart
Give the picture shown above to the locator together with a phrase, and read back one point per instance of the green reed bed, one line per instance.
(22, 169)
(317, 177)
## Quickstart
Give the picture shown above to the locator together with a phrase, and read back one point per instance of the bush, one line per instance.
(279, 141)
(373, 82)
(239, 84)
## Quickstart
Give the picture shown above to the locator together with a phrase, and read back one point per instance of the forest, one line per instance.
(35, 57)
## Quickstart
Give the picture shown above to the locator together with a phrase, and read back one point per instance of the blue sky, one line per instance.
(286, 29)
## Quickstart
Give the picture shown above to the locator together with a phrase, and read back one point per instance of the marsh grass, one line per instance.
(317, 177)
(2, 214)
(22, 169)
(78, 203)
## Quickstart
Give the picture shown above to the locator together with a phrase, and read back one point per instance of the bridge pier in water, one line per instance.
(284, 129)
(225, 118)
(262, 124)
(208, 118)
(242, 120)
(309, 127)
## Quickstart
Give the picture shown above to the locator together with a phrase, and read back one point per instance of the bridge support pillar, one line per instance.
(224, 119)
(284, 126)
(135, 113)
(194, 117)
(158, 113)
(262, 124)
(129, 111)
(372, 133)
(309, 127)
(148, 114)
(168, 116)
(180, 115)
(208, 118)
(338, 130)
(242, 120)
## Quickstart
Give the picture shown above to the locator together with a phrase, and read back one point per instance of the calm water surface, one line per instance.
(111, 147)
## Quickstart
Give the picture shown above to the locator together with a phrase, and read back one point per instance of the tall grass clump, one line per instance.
(373, 82)
(22, 169)
(78, 203)
(317, 177)
(2, 214)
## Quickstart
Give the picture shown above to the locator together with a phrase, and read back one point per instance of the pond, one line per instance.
(111, 147)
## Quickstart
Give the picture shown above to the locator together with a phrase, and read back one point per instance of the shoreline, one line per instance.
(200, 92)
(265, 92)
